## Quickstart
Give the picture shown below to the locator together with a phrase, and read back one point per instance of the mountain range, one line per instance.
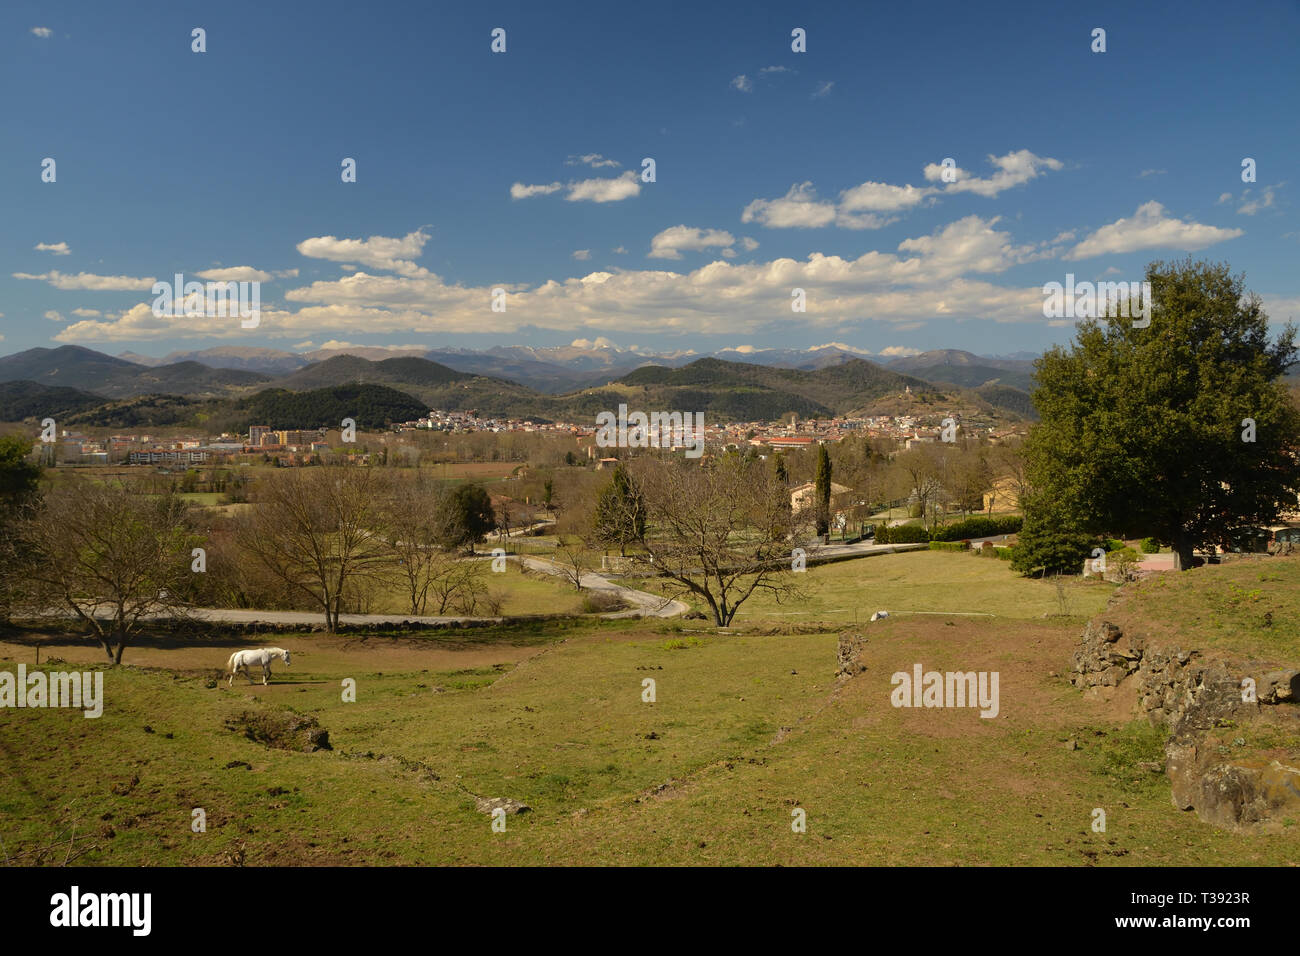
(545, 384)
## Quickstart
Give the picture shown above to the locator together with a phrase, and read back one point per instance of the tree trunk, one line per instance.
(1183, 558)
(121, 646)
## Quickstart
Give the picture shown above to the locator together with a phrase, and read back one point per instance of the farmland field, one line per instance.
(745, 728)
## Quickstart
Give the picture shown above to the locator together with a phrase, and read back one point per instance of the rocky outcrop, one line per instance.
(1184, 690)
(851, 644)
(1209, 704)
(491, 804)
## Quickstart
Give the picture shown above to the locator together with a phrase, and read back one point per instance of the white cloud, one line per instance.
(57, 248)
(620, 250)
(883, 197)
(304, 345)
(43, 32)
(86, 313)
(1223, 197)
(54, 316)
(969, 245)
(874, 205)
(594, 160)
(670, 243)
(777, 69)
(799, 208)
(823, 89)
(235, 274)
(749, 244)
(1013, 169)
(742, 83)
(89, 281)
(1151, 172)
(928, 277)
(520, 191)
(605, 190)
(599, 342)
(589, 190)
(582, 254)
(378, 252)
(1252, 206)
(1150, 228)
(898, 351)
(286, 274)
(841, 346)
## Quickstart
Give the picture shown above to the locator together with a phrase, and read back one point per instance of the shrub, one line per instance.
(979, 526)
(949, 545)
(1112, 544)
(902, 534)
(602, 602)
(1051, 543)
(1004, 554)
(1124, 560)
(1150, 546)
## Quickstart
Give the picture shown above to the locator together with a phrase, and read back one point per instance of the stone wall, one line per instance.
(1198, 698)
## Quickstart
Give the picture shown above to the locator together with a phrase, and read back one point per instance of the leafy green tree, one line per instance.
(619, 517)
(1050, 542)
(19, 477)
(1182, 431)
(19, 495)
(822, 495)
(779, 471)
(472, 516)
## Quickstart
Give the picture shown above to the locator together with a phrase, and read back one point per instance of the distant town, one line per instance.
(298, 446)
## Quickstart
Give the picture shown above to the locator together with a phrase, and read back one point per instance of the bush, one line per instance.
(979, 526)
(1051, 543)
(602, 602)
(1150, 546)
(1004, 554)
(902, 534)
(1112, 544)
(1123, 561)
(949, 545)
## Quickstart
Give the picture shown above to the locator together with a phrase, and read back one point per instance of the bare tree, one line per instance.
(419, 522)
(319, 529)
(1008, 465)
(572, 557)
(457, 583)
(923, 477)
(94, 548)
(721, 530)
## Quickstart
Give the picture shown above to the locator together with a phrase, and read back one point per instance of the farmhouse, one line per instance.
(805, 496)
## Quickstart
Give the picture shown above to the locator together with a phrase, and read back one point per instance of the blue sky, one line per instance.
(774, 169)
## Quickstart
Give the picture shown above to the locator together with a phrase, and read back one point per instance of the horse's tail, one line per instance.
(230, 664)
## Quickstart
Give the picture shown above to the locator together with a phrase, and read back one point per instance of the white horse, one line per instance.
(259, 657)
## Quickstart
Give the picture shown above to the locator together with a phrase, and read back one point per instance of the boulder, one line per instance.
(489, 804)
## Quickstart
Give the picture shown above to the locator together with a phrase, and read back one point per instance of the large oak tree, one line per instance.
(1145, 431)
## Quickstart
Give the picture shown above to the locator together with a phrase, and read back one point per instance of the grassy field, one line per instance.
(914, 583)
(523, 593)
(744, 729)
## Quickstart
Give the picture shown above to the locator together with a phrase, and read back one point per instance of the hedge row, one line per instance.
(949, 545)
(978, 527)
(902, 534)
